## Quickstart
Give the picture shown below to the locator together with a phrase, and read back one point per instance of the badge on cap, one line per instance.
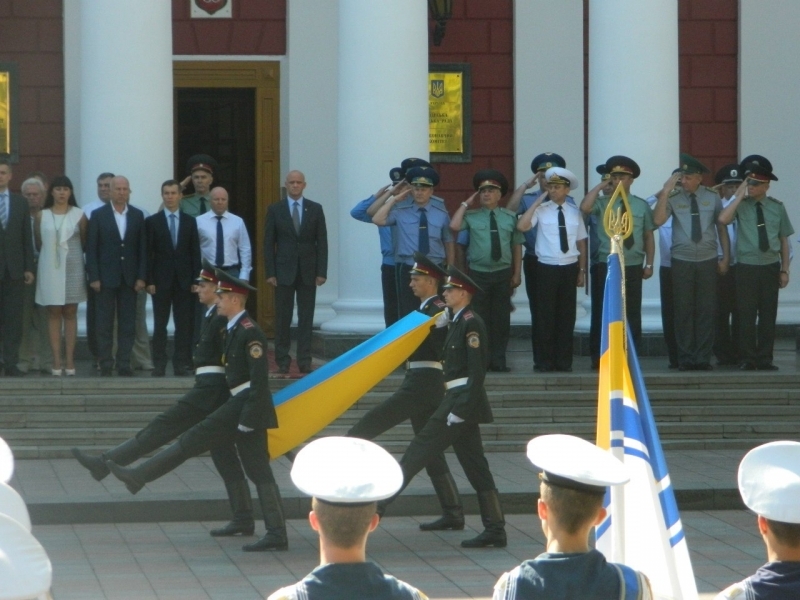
(568, 461)
(344, 470)
(769, 481)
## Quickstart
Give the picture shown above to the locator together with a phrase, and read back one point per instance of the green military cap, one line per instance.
(690, 165)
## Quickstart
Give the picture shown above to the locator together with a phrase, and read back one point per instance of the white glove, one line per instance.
(442, 319)
(244, 429)
(451, 419)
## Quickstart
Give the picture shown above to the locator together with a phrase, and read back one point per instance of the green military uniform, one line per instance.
(642, 222)
(195, 205)
(758, 278)
(493, 304)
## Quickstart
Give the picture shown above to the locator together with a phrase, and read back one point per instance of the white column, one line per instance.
(310, 123)
(548, 51)
(383, 117)
(633, 100)
(125, 96)
(767, 105)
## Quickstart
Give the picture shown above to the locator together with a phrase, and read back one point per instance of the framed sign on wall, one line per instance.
(9, 111)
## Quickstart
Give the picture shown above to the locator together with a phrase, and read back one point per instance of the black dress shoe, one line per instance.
(125, 372)
(158, 372)
(14, 371)
(181, 371)
(303, 369)
(283, 370)
(541, 368)
(685, 367)
(672, 366)
(747, 367)
(767, 367)
(500, 369)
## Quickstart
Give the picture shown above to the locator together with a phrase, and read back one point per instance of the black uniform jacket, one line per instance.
(245, 357)
(433, 346)
(466, 354)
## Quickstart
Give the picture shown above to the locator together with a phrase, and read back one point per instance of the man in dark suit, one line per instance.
(295, 262)
(173, 257)
(116, 260)
(16, 267)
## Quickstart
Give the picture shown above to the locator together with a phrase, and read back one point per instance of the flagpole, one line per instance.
(618, 225)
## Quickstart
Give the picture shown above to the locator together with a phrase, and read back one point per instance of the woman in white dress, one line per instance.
(61, 281)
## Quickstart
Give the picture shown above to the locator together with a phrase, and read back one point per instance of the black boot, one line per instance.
(271, 507)
(452, 511)
(124, 454)
(162, 463)
(242, 507)
(494, 524)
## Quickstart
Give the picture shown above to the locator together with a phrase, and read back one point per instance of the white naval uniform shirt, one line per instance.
(548, 240)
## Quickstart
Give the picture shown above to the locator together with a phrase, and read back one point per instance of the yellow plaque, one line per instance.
(446, 112)
(5, 113)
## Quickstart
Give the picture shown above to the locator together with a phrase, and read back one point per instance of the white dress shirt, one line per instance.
(122, 220)
(236, 244)
(548, 240)
(92, 206)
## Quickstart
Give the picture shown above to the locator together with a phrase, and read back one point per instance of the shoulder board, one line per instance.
(467, 315)
(710, 189)
(774, 200)
(674, 193)
(735, 592)
(438, 206)
(246, 323)
(439, 303)
(508, 212)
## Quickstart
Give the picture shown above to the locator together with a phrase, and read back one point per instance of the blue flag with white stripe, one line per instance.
(643, 527)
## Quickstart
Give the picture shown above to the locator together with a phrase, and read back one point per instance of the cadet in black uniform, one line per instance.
(346, 477)
(242, 420)
(421, 393)
(465, 405)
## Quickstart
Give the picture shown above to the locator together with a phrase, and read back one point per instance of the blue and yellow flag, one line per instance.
(643, 527)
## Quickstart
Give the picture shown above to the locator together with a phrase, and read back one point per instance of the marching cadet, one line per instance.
(421, 393)
(769, 482)
(574, 479)
(695, 263)
(726, 335)
(561, 248)
(638, 249)
(201, 169)
(346, 477)
(762, 252)
(420, 226)
(465, 405)
(242, 420)
(494, 254)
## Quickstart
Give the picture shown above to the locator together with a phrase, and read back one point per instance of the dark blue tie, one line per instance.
(173, 230)
(424, 241)
(220, 243)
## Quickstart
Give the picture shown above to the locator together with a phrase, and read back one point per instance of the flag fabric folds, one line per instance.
(643, 527)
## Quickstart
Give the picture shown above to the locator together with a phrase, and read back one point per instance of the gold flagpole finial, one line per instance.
(618, 225)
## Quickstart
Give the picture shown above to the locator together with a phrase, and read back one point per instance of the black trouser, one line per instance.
(389, 287)
(435, 438)
(529, 268)
(555, 307)
(493, 305)
(417, 399)
(218, 431)
(633, 304)
(694, 286)
(668, 314)
(757, 289)
(284, 308)
(208, 394)
(181, 303)
(726, 336)
(11, 291)
(91, 321)
(122, 302)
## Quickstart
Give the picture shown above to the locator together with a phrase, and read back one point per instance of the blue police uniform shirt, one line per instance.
(404, 217)
(359, 213)
(530, 235)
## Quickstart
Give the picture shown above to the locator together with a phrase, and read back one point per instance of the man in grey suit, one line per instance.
(295, 263)
(16, 267)
(116, 260)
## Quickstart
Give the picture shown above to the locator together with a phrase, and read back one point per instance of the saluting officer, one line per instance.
(202, 168)
(465, 405)
(762, 251)
(242, 420)
(421, 393)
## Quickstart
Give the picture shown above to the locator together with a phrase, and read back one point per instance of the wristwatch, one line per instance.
(648, 266)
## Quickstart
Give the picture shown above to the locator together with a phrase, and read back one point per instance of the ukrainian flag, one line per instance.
(643, 527)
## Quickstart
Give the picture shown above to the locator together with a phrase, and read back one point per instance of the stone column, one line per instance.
(383, 118)
(125, 95)
(633, 101)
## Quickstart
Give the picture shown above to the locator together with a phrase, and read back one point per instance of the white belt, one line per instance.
(240, 388)
(456, 382)
(204, 370)
(424, 364)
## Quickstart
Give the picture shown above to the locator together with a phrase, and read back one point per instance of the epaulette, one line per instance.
(467, 315)
(438, 206)
(439, 303)
(774, 200)
(247, 323)
(674, 193)
(437, 201)
(505, 210)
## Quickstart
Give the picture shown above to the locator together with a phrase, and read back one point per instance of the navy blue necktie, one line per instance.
(562, 231)
(494, 236)
(220, 243)
(173, 230)
(424, 241)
